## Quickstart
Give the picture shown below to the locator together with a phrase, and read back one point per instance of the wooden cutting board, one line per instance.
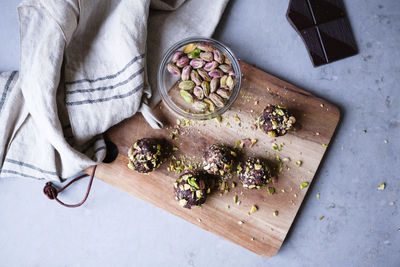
(261, 232)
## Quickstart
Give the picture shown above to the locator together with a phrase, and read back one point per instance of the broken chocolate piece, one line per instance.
(324, 28)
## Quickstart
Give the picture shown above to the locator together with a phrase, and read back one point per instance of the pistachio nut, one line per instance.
(206, 88)
(194, 76)
(186, 73)
(198, 92)
(197, 63)
(182, 61)
(204, 74)
(216, 74)
(214, 84)
(174, 70)
(217, 100)
(218, 56)
(186, 96)
(194, 54)
(224, 93)
(186, 85)
(227, 61)
(206, 47)
(211, 105)
(211, 66)
(230, 82)
(200, 105)
(206, 56)
(225, 68)
(189, 48)
(177, 55)
(222, 81)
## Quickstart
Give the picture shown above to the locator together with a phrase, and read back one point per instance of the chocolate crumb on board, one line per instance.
(190, 189)
(276, 120)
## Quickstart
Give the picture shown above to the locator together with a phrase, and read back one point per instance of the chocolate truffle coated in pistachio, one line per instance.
(219, 159)
(276, 120)
(190, 189)
(145, 155)
(254, 173)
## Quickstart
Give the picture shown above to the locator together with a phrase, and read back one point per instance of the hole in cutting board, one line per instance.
(112, 152)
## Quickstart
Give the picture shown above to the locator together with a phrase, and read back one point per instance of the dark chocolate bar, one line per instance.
(324, 28)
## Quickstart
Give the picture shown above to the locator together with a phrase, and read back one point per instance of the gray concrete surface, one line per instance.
(361, 224)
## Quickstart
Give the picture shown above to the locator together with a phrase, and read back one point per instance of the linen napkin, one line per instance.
(85, 66)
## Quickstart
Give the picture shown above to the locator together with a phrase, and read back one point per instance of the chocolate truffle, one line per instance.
(145, 155)
(218, 160)
(253, 173)
(190, 189)
(276, 120)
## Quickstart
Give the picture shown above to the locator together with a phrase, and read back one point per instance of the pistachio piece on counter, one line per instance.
(207, 56)
(189, 48)
(198, 92)
(174, 70)
(186, 85)
(182, 61)
(214, 84)
(216, 74)
(186, 73)
(197, 63)
(194, 76)
(211, 66)
(186, 96)
(217, 100)
(206, 88)
(204, 75)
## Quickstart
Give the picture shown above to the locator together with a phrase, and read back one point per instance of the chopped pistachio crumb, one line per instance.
(228, 206)
(253, 209)
(321, 105)
(253, 142)
(283, 190)
(286, 159)
(382, 186)
(236, 117)
(175, 148)
(271, 190)
(321, 217)
(233, 185)
(304, 185)
(299, 163)
(235, 199)
(276, 213)
(252, 239)
(365, 131)
(219, 118)
(238, 203)
(240, 222)
(324, 145)
(317, 133)
(178, 122)
(198, 219)
(318, 195)
(256, 102)
(295, 195)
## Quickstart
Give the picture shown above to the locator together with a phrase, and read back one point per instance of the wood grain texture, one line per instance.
(316, 123)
